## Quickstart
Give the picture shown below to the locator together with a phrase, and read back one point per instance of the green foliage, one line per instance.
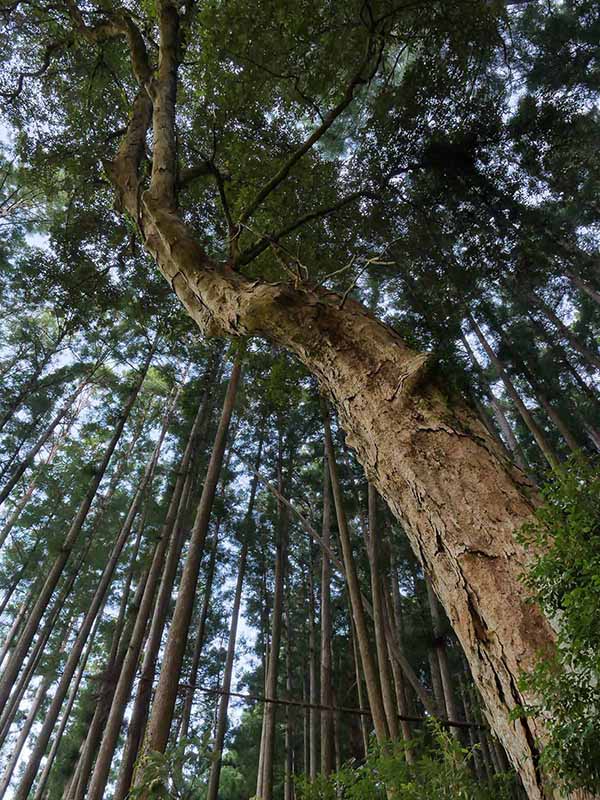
(441, 771)
(565, 581)
(164, 776)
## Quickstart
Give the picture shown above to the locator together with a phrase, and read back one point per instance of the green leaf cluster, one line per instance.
(565, 581)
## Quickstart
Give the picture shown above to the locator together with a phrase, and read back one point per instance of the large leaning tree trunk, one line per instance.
(427, 453)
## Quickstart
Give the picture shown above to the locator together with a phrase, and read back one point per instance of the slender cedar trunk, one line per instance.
(143, 696)
(159, 724)
(288, 746)
(313, 684)
(126, 676)
(474, 741)
(52, 618)
(17, 621)
(374, 550)
(397, 627)
(221, 726)
(364, 730)
(442, 655)
(264, 786)
(337, 746)
(305, 725)
(57, 568)
(30, 719)
(73, 689)
(436, 682)
(120, 636)
(534, 428)
(27, 460)
(401, 702)
(420, 444)
(77, 648)
(141, 706)
(542, 398)
(30, 385)
(327, 754)
(584, 286)
(77, 786)
(184, 723)
(24, 734)
(188, 701)
(354, 593)
(505, 428)
(591, 358)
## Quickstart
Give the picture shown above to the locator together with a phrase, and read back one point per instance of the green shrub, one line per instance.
(565, 582)
(441, 771)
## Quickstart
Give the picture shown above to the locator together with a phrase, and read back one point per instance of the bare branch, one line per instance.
(358, 79)
(253, 252)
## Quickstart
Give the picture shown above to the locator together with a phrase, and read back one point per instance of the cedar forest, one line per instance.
(300, 400)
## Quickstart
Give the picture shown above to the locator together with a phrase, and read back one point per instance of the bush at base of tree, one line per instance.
(442, 770)
(565, 581)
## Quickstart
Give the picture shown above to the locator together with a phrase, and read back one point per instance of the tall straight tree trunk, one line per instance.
(143, 696)
(44, 436)
(534, 428)
(127, 674)
(442, 655)
(221, 726)
(56, 570)
(288, 746)
(474, 740)
(77, 648)
(327, 754)
(121, 634)
(313, 685)
(354, 593)
(374, 553)
(364, 729)
(159, 724)
(73, 689)
(264, 785)
(591, 358)
(76, 785)
(52, 619)
(499, 415)
(141, 705)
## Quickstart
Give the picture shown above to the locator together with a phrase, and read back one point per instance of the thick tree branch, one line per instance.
(163, 183)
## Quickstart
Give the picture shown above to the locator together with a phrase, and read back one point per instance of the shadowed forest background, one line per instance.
(243, 480)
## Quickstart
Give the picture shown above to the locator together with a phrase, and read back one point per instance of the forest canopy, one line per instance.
(299, 411)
